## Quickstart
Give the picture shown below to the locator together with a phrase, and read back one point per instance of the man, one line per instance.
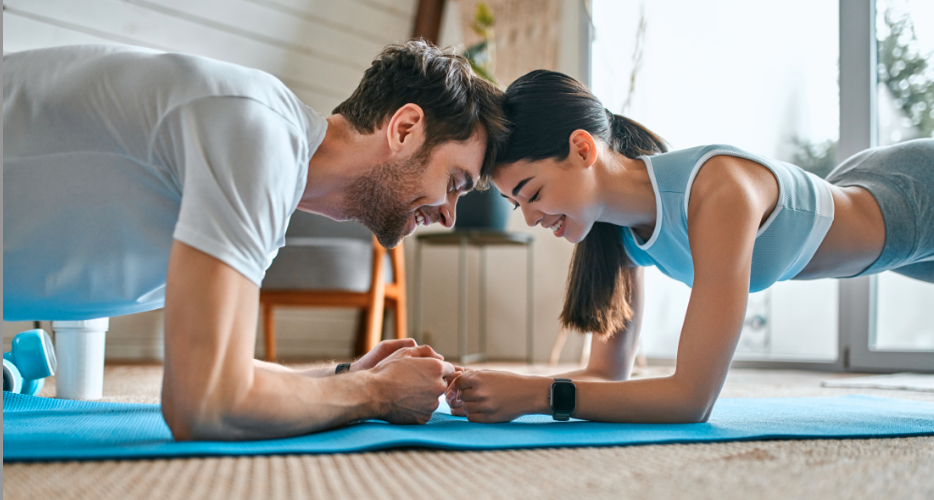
(136, 179)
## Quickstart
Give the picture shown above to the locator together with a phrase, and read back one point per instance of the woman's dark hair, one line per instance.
(544, 108)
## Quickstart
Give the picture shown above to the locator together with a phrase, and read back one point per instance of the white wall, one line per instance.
(506, 273)
(319, 48)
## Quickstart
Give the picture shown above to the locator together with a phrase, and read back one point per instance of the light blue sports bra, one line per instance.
(784, 244)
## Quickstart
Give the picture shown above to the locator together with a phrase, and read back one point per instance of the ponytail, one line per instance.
(544, 107)
(599, 289)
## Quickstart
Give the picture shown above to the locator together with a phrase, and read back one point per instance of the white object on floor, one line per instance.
(906, 381)
(79, 346)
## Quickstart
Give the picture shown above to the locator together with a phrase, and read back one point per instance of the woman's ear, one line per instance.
(583, 148)
(406, 129)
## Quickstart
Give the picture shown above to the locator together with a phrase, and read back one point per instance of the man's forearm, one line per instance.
(317, 371)
(283, 402)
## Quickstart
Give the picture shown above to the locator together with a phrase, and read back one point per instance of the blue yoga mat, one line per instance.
(51, 429)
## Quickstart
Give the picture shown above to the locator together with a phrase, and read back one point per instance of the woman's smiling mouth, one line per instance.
(557, 227)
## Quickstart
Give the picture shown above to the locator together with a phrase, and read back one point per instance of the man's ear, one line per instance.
(406, 129)
(583, 148)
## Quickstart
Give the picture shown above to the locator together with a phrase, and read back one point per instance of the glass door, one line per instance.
(726, 72)
(899, 311)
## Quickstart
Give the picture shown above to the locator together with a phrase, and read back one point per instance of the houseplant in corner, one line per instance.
(485, 210)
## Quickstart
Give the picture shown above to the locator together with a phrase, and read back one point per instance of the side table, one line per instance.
(480, 239)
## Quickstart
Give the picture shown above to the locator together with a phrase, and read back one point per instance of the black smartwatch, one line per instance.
(563, 398)
(341, 368)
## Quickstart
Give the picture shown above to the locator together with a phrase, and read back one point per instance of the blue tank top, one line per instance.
(785, 242)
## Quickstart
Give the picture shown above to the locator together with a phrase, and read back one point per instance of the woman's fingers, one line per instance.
(458, 411)
(465, 380)
(470, 395)
(473, 407)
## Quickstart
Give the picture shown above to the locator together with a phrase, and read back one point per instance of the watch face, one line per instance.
(563, 396)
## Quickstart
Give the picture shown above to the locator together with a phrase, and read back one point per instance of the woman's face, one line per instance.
(559, 195)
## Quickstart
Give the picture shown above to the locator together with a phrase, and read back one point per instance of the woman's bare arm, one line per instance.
(611, 359)
(722, 233)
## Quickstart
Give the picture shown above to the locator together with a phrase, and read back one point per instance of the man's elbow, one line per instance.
(188, 424)
(198, 422)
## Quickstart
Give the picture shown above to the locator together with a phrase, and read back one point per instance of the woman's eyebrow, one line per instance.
(515, 190)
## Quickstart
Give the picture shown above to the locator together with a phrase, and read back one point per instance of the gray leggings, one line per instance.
(901, 178)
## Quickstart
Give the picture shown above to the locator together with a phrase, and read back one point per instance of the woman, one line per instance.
(721, 220)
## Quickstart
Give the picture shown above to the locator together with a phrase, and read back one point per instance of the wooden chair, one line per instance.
(373, 302)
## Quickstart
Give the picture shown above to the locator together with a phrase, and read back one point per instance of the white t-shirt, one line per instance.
(112, 151)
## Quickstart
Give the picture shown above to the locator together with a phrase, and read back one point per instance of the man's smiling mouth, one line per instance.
(421, 218)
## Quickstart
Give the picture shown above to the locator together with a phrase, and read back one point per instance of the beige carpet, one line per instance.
(901, 468)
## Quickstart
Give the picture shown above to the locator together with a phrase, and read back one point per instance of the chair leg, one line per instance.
(269, 331)
(374, 323)
(398, 273)
(401, 325)
(359, 348)
(376, 307)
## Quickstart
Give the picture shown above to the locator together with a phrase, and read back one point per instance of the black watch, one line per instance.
(341, 368)
(563, 398)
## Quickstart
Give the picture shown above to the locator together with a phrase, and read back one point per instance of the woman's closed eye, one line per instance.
(534, 198)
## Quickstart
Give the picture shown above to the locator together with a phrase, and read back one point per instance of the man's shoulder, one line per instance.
(187, 77)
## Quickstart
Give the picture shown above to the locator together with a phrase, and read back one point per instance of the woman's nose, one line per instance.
(532, 217)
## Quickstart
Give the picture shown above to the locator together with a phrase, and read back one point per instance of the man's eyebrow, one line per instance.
(515, 190)
(468, 181)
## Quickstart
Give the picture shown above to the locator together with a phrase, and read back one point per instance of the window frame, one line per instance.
(857, 303)
(859, 131)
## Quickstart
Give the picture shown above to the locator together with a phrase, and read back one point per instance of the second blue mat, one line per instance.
(38, 429)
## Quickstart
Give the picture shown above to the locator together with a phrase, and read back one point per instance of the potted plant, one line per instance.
(485, 210)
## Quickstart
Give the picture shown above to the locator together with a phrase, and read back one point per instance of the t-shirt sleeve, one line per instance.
(240, 165)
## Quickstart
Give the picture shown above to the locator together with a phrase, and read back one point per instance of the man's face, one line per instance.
(395, 197)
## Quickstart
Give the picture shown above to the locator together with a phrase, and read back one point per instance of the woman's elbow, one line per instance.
(691, 404)
(698, 410)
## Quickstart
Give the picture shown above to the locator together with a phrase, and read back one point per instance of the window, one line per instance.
(905, 111)
(726, 71)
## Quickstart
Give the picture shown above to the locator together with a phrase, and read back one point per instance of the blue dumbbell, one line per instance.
(29, 362)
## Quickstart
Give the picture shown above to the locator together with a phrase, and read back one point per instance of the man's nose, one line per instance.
(532, 216)
(448, 211)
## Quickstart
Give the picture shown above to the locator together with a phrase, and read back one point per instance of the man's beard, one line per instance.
(378, 198)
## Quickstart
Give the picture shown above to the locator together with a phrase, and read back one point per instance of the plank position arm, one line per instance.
(612, 358)
(213, 388)
(722, 233)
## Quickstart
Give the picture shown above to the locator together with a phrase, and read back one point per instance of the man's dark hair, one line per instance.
(455, 100)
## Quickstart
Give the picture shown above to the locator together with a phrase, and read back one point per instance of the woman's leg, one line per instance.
(901, 179)
(923, 271)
